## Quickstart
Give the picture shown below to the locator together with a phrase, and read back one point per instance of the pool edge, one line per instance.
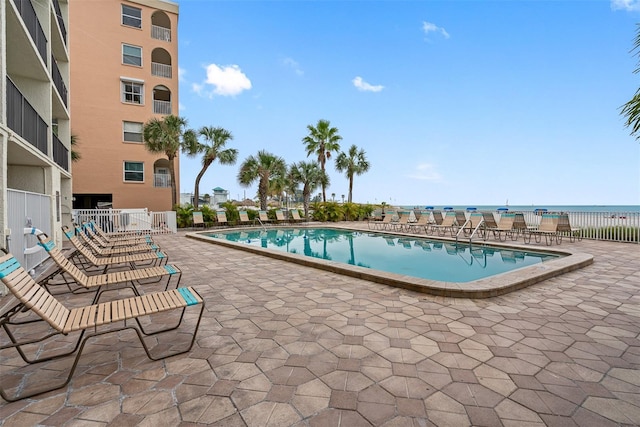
(483, 288)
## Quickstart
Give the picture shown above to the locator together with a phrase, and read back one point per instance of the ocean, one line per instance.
(531, 208)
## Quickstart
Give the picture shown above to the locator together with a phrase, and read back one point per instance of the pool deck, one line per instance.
(282, 344)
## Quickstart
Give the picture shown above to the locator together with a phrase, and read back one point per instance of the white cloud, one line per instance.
(227, 80)
(426, 172)
(628, 5)
(181, 73)
(293, 64)
(428, 27)
(364, 86)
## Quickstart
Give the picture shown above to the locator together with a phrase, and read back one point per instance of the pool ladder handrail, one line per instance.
(478, 227)
(261, 223)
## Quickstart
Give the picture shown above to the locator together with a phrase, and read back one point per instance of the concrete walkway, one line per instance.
(287, 345)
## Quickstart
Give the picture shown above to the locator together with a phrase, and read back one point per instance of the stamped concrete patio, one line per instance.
(288, 345)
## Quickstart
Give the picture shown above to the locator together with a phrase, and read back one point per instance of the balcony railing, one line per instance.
(63, 29)
(60, 153)
(161, 107)
(161, 180)
(30, 19)
(58, 81)
(23, 119)
(161, 70)
(161, 33)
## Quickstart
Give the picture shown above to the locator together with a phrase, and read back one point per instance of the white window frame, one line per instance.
(129, 130)
(126, 16)
(124, 55)
(132, 82)
(125, 171)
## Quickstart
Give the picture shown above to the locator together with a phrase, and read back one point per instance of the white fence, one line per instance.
(612, 226)
(129, 220)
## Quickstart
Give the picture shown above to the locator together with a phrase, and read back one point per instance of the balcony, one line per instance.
(162, 107)
(161, 70)
(23, 119)
(160, 33)
(63, 29)
(28, 14)
(161, 180)
(58, 81)
(60, 153)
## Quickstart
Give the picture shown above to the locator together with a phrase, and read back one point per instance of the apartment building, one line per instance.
(124, 72)
(35, 136)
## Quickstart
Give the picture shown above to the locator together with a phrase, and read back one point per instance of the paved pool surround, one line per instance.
(496, 285)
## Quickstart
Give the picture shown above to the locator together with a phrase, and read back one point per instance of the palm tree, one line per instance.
(261, 167)
(631, 110)
(168, 136)
(353, 163)
(75, 155)
(215, 140)
(322, 141)
(311, 177)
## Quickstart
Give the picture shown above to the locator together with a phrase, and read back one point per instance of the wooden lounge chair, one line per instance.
(89, 260)
(84, 282)
(118, 235)
(88, 321)
(117, 250)
(198, 220)
(108, 244)
(548, 228)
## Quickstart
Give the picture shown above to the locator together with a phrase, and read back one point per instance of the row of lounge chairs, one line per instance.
(552, 226)
(263, 218)
(135, 263)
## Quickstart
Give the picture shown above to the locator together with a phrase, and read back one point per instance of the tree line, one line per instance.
(171, 134)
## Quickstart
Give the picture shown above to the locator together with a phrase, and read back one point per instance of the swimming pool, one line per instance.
(411, 256)
(407, 261)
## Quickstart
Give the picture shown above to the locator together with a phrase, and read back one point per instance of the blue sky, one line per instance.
(454, 102)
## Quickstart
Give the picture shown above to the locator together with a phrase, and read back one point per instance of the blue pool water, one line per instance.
(411, 256)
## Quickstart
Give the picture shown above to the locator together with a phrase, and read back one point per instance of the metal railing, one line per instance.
(161, 70)
(23, 119)
(60, 153)
(30, 19)
(58, 81)
(610, 226)
(161, 107)
(121, 220)
(160, 33)
(63, 29)
(161, 180)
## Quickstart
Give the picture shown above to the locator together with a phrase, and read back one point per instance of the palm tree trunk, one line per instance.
(196, 190)
(350, 187)
(172, 174)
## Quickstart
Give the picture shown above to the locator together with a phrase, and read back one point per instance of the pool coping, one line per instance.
(499, 284)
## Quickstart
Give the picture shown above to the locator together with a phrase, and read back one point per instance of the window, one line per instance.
(131, 16)
(133, 172)
(132, 92)
(132, 131)
(131, 55)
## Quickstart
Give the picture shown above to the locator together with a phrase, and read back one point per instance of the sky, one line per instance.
(454, 102)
